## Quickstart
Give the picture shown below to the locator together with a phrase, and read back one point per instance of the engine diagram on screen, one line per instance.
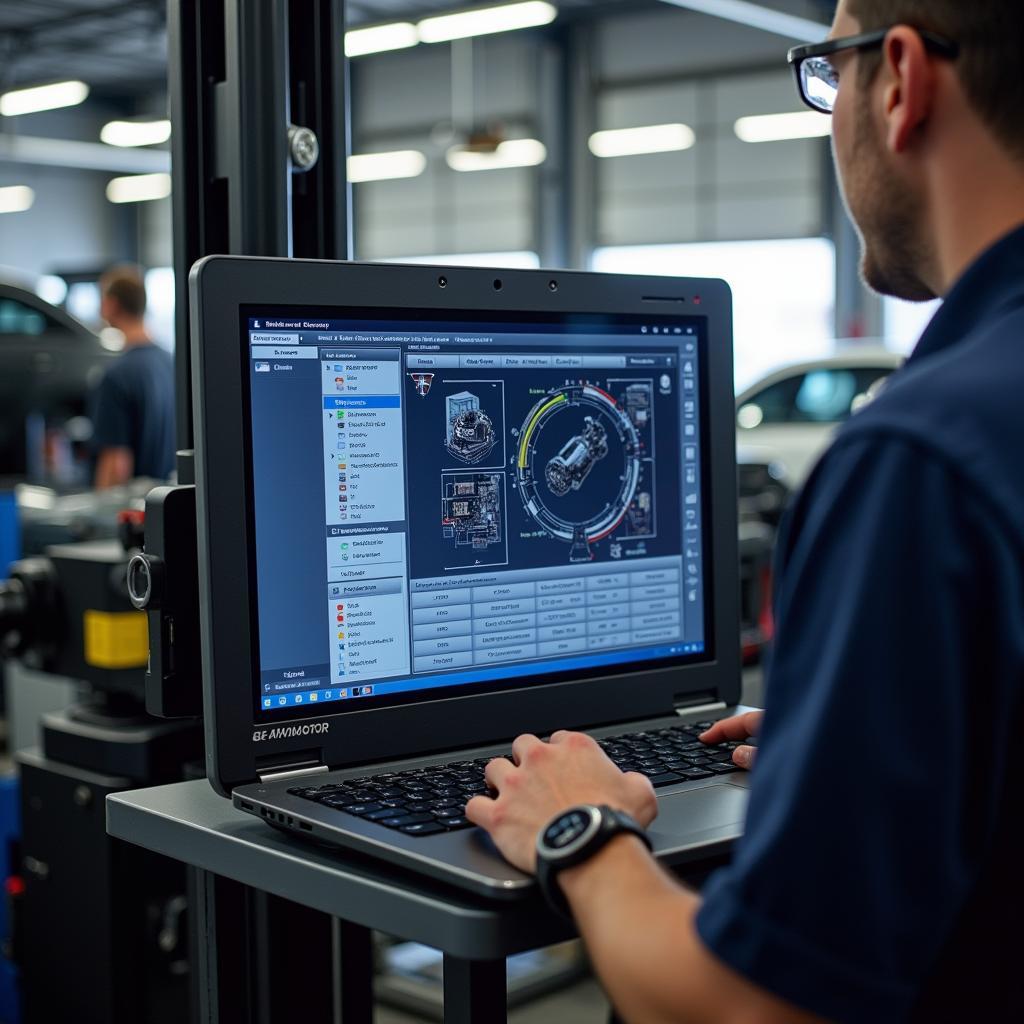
(472, 517)
(583, 464)
(470, 433)
(571, 466)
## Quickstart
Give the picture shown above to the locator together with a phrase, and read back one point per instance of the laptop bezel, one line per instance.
(240, 749)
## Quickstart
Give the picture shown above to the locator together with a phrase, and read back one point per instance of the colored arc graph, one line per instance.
(543, 482)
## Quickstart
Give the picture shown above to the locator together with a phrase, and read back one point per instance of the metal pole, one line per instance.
(198, 202)
(322, 202)
(253, 127)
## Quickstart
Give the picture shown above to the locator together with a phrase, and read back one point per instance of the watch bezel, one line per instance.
(552, 853)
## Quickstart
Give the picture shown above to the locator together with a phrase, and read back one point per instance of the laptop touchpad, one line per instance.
(698, 810)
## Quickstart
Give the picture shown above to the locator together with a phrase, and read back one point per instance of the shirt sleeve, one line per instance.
(112, 416)
(875, 792)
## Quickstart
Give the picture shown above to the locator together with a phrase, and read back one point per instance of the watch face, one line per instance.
(564, 831)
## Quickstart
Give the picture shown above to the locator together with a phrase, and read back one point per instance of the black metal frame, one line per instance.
(221, 287)
(238, 74)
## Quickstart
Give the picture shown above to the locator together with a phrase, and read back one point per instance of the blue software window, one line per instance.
(469, 504)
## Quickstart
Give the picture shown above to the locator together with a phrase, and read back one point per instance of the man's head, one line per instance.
(122, 296)
(899, 114)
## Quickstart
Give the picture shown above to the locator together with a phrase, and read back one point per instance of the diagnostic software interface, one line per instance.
(469, 504)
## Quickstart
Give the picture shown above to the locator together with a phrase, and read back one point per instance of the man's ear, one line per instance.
(909, 86)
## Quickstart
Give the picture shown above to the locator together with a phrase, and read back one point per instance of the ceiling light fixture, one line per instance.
(16, 198)
(484, 21)
(139, 188)
(768, 19)
(803, 124)
(135, 133)
(42, 97)
(513, 153)
(402, 163)
(652, 138)
(398, 35)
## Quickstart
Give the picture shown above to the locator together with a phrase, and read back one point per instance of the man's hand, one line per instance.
(741, 727)
(114, 466)
(548, 778)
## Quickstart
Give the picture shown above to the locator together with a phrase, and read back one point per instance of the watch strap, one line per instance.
(613, 823)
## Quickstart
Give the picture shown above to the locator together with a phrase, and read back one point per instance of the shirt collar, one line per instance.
(995, 279)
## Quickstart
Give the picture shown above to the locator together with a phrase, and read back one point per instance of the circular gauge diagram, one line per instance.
(577, 465)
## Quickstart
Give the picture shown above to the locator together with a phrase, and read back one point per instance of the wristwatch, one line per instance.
(573, 837)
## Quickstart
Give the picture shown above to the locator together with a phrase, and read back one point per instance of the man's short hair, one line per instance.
(990, 34)
(125, 286)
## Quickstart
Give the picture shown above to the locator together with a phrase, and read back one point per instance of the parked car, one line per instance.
(788, 419)
(49, 365)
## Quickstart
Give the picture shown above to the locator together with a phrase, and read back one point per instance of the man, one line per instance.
(133, 419)
(878, 877)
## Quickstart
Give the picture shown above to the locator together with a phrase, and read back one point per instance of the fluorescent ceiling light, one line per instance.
(139, 188)
(135, 133)
(652, 138)
(42, 97)
(804, 124)
(486, 20)
(514, 153)
(16, 198)
(790, 26)
(380, 38)
(403, 163)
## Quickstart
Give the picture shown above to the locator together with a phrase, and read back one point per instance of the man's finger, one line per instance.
(522, 746)
(480, 811)
(743, 757)
(738, 728)
(497, 771)
(560, 736)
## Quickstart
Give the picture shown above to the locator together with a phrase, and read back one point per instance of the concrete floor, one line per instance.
(583, 1002)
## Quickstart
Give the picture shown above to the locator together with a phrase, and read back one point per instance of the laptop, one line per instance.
(440, 507)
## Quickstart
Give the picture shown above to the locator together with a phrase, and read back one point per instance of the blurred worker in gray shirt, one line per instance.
(133, 412)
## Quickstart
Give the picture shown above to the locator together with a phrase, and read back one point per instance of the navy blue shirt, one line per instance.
(134, 408)
(879, 878)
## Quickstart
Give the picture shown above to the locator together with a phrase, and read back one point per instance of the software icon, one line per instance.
(422, 382)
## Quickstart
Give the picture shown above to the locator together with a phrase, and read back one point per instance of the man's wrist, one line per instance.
(582, 882)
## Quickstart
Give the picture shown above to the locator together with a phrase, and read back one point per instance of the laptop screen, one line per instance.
(453, 506)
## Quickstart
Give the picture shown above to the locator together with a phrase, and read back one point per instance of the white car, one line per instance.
(787, 419)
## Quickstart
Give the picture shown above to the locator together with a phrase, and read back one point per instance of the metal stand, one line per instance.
(278, 920)
(473, 991)
(284, 926)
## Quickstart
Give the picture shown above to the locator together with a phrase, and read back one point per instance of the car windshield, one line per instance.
(18, 318)
(818, 396)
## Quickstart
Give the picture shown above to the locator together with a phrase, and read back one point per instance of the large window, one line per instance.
(783, 293)
(508, 260)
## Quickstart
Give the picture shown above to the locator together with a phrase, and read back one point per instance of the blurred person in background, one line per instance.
(133, 413)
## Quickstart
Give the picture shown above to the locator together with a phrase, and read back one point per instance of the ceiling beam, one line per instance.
(754, 15)
(83, 156)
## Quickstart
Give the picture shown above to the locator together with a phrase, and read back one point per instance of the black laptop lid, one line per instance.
(505, 503)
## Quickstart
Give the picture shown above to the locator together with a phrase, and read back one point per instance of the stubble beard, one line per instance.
(889, 218)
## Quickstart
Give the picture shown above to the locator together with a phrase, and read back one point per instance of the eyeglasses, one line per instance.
(816, 77)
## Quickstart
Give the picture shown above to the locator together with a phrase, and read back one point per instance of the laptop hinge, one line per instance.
(293, 773)
(697, 703)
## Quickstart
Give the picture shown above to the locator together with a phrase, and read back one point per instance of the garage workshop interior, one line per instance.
(433, 435)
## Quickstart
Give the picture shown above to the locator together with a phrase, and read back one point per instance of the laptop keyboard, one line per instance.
(427, 801)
